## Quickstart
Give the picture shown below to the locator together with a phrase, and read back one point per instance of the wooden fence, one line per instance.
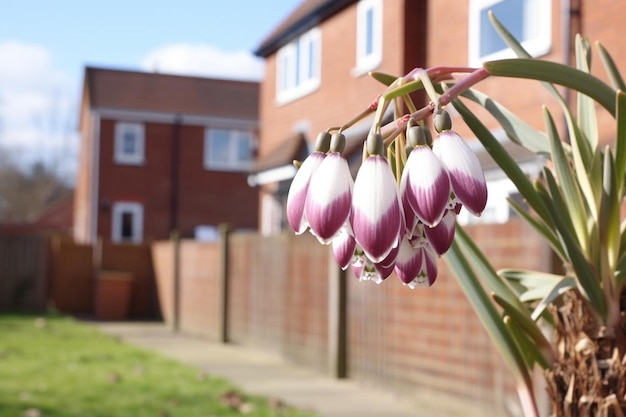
(284, 294)
(23, 283)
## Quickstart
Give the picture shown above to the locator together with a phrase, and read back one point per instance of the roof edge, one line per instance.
(311, 19)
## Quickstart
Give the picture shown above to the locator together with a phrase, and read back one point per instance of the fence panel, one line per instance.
(23, 281)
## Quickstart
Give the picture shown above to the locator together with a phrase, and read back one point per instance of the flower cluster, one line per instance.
(390, 218)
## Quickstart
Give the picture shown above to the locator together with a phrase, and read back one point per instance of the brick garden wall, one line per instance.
(412, 342)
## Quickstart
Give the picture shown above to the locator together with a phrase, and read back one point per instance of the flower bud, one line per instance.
(375, 145)
(338, 143)
(322, 143)
(442, 121)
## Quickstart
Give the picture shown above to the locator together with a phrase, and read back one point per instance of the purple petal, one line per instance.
(327, 205)
(344, 246)
(442, 235)
(376, 216)
(428, 272)
(408, 262)
(410, 219)
(466, 174)
(298, 191)
(427, 185)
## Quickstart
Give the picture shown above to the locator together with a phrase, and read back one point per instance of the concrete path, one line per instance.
(259, 373)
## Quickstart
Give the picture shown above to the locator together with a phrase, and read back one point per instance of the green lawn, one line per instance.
(58, 367)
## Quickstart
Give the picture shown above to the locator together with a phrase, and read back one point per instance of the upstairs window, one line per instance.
(228, 150)
(369, 35)
(129, 143)
(529, 21)
(298, 67)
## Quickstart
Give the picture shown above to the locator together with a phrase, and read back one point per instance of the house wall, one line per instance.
(341, 95)
(83, 192)
(203, 198)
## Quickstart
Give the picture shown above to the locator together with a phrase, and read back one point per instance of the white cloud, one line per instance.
(204, 60)
(37, 107)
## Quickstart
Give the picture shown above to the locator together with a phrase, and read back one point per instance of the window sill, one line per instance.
(365, 68)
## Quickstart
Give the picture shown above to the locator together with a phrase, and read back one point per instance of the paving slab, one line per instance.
(261, 373)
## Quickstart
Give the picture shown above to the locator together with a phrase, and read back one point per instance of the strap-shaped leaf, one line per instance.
(503, 159)
(609, 223)
(589, 283)
(573, 199)
(560, 287)
(620, 143)
(584, 104)
(488, 314)
(611, 69)
(517, 129)
(486, 271)
(555, 73)
(531, 329)
(547, 231)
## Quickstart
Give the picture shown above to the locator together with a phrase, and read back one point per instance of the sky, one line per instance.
(45, 46)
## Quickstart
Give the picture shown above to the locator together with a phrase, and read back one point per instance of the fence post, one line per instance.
(175, 240)
(337, 321)
(224, 283)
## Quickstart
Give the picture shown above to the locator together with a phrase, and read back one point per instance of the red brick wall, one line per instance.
(204, 198)
(279, 296)
(341, 95)
(411, 341)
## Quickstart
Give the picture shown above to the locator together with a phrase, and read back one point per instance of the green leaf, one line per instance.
(545, 230)
(503, 159)
(403, 89)
(588, 281)
(620, 143)
(585, 105)
(609, 222)
(555, 73)
(575, 206)
(518, 130)
(486, 271)
(488, 314)
(386, 79)
(610, 68)
(562, 285)
(544, 355)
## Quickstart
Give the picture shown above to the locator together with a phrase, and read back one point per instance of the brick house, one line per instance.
(162, 153)
(318, 57)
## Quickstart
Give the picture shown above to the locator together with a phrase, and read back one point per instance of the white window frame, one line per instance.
(232, 163)
(368, 61)
(537, 30)
(120, 156)
(117, 212)
(293, 62)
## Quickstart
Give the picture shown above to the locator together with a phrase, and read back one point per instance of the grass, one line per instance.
(54, 366)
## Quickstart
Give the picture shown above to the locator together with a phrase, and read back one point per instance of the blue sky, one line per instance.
(44, 46)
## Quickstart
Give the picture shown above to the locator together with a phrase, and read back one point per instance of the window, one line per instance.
(529, 21)
(129, 143)
(127, 222)
(369, 35)
(228, 150)
(298, 67)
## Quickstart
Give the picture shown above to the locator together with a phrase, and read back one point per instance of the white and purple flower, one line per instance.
(298, 192)
(466, 174)
(327, 205)
(376, 217)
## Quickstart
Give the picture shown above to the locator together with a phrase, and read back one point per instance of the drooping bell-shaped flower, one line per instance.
(298, 191)
(327, 206)
(426, 185)
(466, 174)
(441, 236)
(365, 270)
(427, 273)
(343, 247)
(408, 262)
(376, 214)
